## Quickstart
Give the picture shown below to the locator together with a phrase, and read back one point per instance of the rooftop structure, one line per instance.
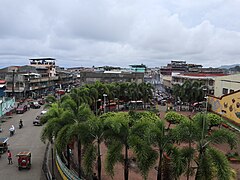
(45, 63)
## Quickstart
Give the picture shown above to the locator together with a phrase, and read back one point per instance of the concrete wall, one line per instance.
(227, 106)
(6, 105)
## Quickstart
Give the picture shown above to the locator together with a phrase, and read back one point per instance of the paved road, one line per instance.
(25, 139)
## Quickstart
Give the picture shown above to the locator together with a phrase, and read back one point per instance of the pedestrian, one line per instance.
(9, 155)
(28, 106)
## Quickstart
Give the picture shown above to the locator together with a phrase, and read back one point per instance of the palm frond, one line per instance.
(223, 136)
(219, 160)
(113, 156)
(89, 159)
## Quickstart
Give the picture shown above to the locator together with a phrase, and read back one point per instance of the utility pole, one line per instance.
(104, 102)
(13, 73)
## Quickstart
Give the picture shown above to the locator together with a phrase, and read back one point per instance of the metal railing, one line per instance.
(68, 173)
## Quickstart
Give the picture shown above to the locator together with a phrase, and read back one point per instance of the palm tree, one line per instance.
(94, 94)
(211, 160)
(95, 131)
(133, 91)
(78, 115)
(116, 136)
(57, 119)
(146, 92)
(140, 141)
(186, 132)
(163, 140)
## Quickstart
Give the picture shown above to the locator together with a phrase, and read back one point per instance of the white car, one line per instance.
(43, 112)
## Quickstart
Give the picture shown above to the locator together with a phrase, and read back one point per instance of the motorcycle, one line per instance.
(12, 132)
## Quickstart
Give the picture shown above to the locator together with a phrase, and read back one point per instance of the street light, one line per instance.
(206, 97)
(104, 102)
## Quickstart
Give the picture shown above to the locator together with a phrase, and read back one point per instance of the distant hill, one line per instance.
(229, 66)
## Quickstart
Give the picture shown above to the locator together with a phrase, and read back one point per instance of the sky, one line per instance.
(120, 32)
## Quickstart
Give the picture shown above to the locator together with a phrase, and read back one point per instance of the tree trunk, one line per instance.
(126, 163)
(68, 157)
(159, 173)
(79, 159)
(99, 161)
(201, 155)
(189, 162)
(96, 110)
(169, 126)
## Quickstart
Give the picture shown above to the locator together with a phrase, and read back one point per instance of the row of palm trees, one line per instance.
(71, 120)
(189, 91)
(126, 91)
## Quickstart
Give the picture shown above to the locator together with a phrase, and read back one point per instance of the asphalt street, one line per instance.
(25, 139)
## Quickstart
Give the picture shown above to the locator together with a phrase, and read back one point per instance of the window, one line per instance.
(211, 83)
(225, 91)
(231, 90)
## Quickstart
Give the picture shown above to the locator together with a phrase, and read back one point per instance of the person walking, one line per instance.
(9, 155)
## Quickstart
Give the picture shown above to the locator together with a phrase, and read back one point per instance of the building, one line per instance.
(45, 64)
(227, 106)
(226, 84)
(87, 77)
(39, 78)
(138, 68)
(207, 79)
(2, 88)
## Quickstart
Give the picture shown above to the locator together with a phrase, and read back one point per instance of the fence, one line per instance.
(64, 171)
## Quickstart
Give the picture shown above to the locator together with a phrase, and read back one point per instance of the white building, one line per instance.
(226, 84)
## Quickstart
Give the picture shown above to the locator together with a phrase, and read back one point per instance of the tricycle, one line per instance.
(24, 160)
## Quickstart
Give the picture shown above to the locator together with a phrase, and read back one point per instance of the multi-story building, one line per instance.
(110, 76)
(2, 87)
(39, 78)
(25, 81)
(207, 80)
(45, 64)
(138, 68)
(226, 84)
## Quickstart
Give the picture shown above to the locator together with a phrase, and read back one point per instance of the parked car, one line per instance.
(43, 112)
(41, 101)
(34, 105)
(21, 109)
(37, 121)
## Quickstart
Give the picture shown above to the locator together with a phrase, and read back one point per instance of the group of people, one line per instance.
(12, 131)
(12, 128)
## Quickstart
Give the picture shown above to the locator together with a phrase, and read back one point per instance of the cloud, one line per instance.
(111, 32)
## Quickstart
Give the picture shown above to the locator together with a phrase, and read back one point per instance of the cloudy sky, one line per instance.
(120, 32)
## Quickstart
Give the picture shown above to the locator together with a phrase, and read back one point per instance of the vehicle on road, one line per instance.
(37, 121)
(24, 160)
(34, 105)
(41, 101)
(3, 144)
(21, 109)
(43, 112)
(20, 124)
